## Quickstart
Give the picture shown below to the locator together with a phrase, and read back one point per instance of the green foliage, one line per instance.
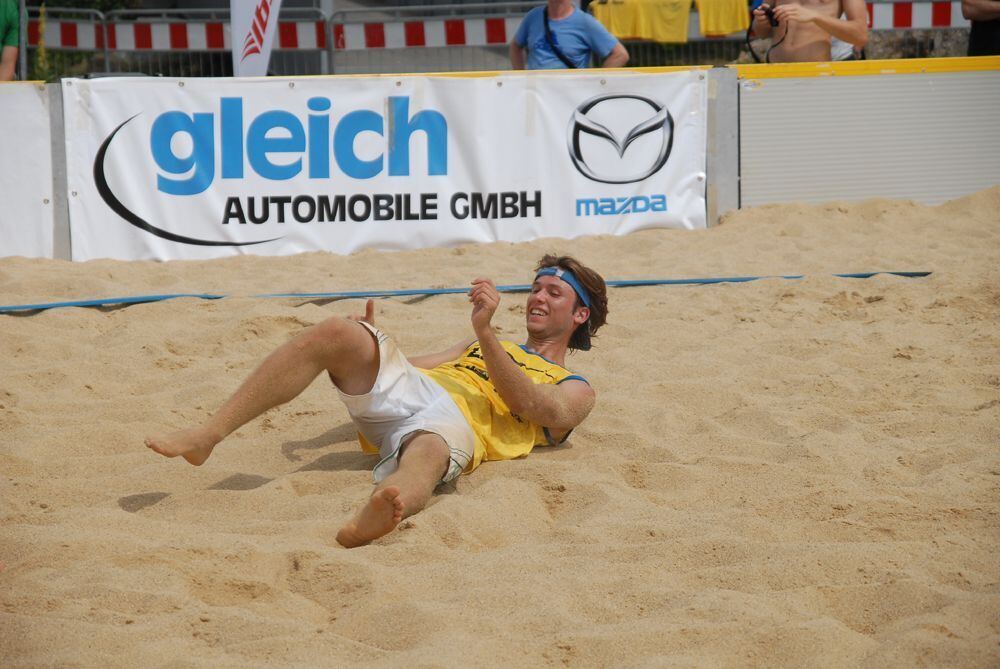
(54, 65)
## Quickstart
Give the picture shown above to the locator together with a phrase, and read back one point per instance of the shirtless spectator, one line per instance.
(805, 29)
(984, 35)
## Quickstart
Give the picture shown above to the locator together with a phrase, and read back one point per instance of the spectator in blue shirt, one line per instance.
(573, 38)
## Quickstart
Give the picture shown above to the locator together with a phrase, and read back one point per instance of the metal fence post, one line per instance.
(62, 246)
(722, 191)
(22, 56)
(330, 46)
(106, 34)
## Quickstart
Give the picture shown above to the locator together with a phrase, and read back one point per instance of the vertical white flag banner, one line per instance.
(254, 23)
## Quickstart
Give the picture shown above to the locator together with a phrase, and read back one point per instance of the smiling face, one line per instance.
(551, 311)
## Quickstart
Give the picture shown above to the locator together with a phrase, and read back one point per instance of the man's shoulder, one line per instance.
(585, 23)
(535, 13)
(587, 19)
(531, 21)
(9, 23)
(536, 362)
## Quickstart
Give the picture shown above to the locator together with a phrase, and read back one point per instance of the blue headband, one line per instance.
(570, 278)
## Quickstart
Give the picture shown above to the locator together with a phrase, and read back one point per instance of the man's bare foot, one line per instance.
(194, 444)
(379, 516)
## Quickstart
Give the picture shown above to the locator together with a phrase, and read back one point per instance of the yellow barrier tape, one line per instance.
(859, 68)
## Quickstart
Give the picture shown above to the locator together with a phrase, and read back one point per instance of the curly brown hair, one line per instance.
(594, 283)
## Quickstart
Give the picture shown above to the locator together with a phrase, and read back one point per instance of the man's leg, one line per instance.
(343, 348)
(422, 463)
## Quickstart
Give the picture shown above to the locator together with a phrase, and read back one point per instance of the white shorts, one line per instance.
(404, 400)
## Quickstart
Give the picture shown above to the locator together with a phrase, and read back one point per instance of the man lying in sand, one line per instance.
(482, 399)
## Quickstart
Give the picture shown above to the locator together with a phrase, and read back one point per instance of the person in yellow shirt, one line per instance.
(431, 417)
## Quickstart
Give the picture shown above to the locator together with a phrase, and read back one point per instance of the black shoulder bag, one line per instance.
(552, 45)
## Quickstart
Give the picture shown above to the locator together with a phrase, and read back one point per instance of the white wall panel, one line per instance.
(925, 137)
(25, 172)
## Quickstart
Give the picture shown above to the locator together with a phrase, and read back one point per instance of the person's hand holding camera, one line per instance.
(764, 19)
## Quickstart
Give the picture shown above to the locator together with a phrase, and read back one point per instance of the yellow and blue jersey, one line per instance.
(500, 434)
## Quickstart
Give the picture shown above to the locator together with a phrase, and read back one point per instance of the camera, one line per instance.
(769, 13)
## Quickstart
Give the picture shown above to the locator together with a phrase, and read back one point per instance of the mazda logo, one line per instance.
(660, 121)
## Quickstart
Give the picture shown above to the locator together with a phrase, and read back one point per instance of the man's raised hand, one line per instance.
(369, 316)
(485, 299)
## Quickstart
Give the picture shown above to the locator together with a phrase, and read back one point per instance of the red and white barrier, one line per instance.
(85, 35)
(194, 36)
(906, 15)
(499, 31)
(427, 33)
(312, 35)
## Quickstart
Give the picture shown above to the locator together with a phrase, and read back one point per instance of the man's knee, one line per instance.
(334, 335)
(428, 450)
(348, 351)
(331, 329)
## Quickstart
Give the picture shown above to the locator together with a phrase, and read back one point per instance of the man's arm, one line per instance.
(427, 361)
(853, 29)
(617, 58)
(560, 407)
(8, 63)
(981, 10)
(432, 360)
(516, 55)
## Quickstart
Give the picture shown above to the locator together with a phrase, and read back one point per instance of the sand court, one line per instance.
(777, 473)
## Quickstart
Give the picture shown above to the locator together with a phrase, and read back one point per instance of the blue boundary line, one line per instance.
(345, 295)
(107, 302)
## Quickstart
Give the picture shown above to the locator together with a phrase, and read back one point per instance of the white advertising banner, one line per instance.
(26, 171)
(205, 168)
(254, 23)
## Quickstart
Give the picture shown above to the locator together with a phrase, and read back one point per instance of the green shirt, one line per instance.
(10, 23)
